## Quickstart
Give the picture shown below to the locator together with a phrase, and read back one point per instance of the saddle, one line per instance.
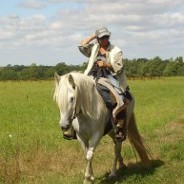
(116, 105)
(111, 98)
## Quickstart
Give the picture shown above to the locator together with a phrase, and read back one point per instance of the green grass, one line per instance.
(158, 101)
(32, 149)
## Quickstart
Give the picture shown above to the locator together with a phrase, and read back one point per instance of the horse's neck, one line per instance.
(92, 104)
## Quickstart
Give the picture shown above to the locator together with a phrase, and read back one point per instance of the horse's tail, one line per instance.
(137, 142)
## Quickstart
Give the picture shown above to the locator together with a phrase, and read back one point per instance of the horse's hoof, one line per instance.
(89, 180)
(92, 178)
(123, 166)
(112, 176)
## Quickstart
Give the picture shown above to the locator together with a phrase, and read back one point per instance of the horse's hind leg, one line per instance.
(117, 159)
(117, 154)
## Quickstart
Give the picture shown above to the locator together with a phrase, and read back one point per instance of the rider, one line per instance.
(106, 60)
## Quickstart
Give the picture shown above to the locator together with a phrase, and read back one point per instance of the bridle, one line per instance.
(75, 112)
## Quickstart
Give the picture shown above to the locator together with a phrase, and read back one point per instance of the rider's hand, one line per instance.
(101, 64)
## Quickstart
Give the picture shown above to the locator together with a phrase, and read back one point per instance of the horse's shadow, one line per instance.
(132, 169)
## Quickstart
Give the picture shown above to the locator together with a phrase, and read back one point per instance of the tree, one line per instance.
(8, 74)
(154, 69)
(170, 69)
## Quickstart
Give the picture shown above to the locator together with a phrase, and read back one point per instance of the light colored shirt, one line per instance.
(113, 55)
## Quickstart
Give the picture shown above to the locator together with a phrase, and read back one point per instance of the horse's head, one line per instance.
(65, 96)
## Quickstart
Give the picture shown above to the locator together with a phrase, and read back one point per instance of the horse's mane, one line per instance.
(86, 93)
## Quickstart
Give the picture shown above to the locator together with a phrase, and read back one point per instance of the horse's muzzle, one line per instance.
(65, 127)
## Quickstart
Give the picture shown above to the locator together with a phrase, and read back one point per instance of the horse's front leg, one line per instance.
(88, 151)
(89, 177)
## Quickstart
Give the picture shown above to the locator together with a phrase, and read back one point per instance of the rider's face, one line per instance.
(104, 41)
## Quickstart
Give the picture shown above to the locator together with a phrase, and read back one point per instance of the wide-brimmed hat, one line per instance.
(102, 31)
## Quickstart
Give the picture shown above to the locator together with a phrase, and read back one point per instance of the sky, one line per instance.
(47, 32)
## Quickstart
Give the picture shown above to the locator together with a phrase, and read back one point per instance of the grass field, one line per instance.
(32, 149)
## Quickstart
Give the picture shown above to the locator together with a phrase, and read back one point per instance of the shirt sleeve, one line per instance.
(86, 49)
(118, 63)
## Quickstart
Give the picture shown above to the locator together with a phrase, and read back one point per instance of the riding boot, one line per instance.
(121, 127)
(70, 134)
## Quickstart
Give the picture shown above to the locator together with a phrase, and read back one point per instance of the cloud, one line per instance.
(137, 26)
(32, 4)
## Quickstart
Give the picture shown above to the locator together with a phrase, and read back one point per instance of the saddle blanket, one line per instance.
(105, 88)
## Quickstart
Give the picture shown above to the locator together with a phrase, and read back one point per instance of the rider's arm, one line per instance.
(117, 63)
(85, 46)
(87, 40)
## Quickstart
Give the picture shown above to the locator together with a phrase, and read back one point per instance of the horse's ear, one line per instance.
(71, 81)
(57, 78)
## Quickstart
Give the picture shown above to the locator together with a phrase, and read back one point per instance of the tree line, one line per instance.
(140, 67)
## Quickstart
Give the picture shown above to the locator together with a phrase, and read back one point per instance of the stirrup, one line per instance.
(120, 133)
(120, 138)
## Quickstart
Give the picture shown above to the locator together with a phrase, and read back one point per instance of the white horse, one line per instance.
(82, 107)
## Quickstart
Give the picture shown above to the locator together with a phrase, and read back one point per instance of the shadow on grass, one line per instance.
(132, 169)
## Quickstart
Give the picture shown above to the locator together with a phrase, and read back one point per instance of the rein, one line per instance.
(75, 113)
